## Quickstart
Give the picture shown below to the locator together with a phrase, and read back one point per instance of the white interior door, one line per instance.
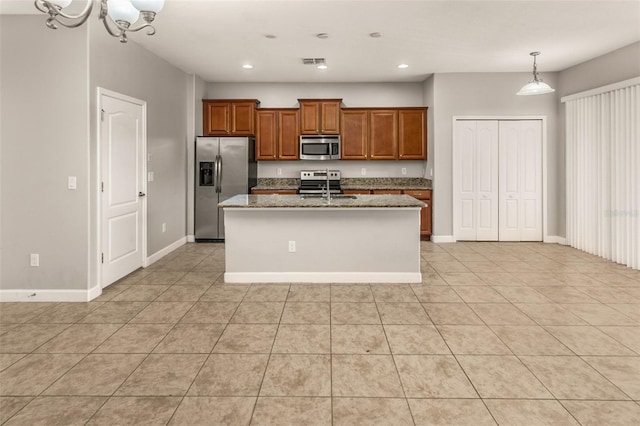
(122, 140)
(476, 180)
(520, 199)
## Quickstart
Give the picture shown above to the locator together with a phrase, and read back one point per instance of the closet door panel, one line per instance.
(531, 192)
(487, 181)
(465, 193)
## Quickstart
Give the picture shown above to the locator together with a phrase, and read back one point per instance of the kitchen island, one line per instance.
(306, 239)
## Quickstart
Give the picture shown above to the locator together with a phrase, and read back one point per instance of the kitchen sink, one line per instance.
(333, 197)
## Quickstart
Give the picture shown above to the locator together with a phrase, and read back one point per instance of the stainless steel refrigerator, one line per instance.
(225, 166)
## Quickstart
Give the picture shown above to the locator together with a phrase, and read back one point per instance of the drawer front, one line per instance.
(420, 195)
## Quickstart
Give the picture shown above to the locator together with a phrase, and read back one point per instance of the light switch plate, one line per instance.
(72, 182)
(150, 176)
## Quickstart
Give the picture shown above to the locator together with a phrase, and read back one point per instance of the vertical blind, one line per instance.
(603, 172)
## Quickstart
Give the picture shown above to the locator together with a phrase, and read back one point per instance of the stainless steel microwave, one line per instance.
(320, 147)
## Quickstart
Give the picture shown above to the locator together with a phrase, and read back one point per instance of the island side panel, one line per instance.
(332, 245)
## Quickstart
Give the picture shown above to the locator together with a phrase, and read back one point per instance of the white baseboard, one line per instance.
(555, 239)
(442, 239)
(191, 238)
(49, 295)
(322, 277)
(165, 251)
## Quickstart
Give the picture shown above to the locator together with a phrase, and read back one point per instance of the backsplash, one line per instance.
(348, 169)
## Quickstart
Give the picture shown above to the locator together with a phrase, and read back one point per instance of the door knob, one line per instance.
(141, 194)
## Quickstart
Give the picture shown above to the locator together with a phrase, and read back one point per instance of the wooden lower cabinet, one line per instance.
(425, 212)
(387, 191)
(274, 191)
(356, 191)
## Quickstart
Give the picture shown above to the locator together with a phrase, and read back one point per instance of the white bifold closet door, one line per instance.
(498, 180)
(476, 169)
(520, 198)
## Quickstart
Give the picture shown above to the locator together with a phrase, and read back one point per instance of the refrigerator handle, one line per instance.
(218, 174)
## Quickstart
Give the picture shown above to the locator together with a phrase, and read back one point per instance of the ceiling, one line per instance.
(214, 38)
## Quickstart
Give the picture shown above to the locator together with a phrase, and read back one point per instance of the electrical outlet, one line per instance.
(164, 227)
(35, 259)
(404, 171)
(150, 176)
(279, 171)
(292, 246)
(363, 171)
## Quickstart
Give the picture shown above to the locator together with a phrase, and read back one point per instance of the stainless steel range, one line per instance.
(315, 182)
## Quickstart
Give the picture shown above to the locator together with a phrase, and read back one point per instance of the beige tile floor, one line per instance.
(497, 333)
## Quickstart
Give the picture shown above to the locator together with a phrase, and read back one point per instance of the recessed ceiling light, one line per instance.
(403, 66)
(375, 35)
(270, 36)
(322, 35)
(247, 66)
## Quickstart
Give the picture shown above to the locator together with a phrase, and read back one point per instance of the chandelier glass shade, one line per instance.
(118, 16)
(537, 86)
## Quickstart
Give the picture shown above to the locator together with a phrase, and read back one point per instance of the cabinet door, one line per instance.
(266, 135)
(383, 135)
(288, 135)
(242, 118)
(215, 118)
(330, 118)
(309, 118)
(425, 212)
(354, 134)
(412, 134)
(425, 219)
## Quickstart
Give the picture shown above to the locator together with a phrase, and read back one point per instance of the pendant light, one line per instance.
(118, 16)
(537, 86)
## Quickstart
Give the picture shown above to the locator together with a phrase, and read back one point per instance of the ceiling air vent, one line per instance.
(313, 61)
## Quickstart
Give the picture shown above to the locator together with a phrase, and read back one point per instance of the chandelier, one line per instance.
(118, 16)
(537, 86)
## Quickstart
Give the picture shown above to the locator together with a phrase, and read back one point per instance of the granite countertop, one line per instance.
(351, 183)
(385, 183)
(298, 201)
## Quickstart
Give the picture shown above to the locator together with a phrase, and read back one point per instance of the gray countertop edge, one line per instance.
(296, 202)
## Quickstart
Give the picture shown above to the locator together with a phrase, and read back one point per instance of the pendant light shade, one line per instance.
(118, 16)
(537, 86)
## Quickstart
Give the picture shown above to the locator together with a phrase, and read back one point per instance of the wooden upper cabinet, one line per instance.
(277, 134)
(320, 116)
(266, 135)
(412, 133)
(226, 117)
(383, 134)
(354, 133)
(288, 135)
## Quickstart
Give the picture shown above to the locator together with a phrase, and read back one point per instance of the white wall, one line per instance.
(49, 83)
(44, 136)
(286, 95)
(134, 71)
(487, 94)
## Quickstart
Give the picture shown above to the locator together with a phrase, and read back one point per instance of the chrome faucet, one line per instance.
(328, 187)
